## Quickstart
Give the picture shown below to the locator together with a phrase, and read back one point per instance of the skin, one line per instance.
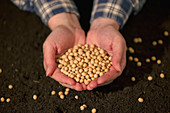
(67, 32)
(105, 34)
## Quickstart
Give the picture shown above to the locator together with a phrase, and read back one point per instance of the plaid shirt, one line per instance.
(119, 10)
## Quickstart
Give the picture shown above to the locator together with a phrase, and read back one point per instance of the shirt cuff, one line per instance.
(48, 8)
(119, 10)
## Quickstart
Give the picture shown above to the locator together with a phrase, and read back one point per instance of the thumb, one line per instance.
(80, 38)
(49, 58)
(118, 52)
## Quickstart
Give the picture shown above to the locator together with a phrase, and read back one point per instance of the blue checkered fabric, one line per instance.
(119, 10)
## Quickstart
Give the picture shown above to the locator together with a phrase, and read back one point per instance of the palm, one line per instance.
(62, 39)
(58, 42)
(109, 39)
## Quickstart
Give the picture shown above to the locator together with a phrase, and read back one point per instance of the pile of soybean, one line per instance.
(84, 63)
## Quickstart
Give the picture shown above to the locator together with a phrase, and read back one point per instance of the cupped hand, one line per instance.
(64, 35)
(104, 33)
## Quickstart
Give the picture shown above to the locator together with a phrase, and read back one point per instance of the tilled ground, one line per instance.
(22, 35)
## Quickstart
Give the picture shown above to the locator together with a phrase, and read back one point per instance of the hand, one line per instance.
(66, 33)
(104, 34)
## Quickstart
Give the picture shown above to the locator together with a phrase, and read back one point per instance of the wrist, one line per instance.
(101, 22)
(67, 19)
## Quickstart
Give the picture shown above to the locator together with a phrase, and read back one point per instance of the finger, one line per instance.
(84, 86)
(90, 41)
(117, 55)
(49, 58)
(66, 85)
(89, 88)
(106, 83)
(110, 75)
(77, 86)
(93, 84)
(60, 77)
(81, 39)
(123, 61)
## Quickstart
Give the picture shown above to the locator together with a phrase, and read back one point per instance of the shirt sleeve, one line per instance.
(119, 10)
(47, 8)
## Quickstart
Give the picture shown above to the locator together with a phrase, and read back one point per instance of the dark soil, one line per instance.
(22, 35)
